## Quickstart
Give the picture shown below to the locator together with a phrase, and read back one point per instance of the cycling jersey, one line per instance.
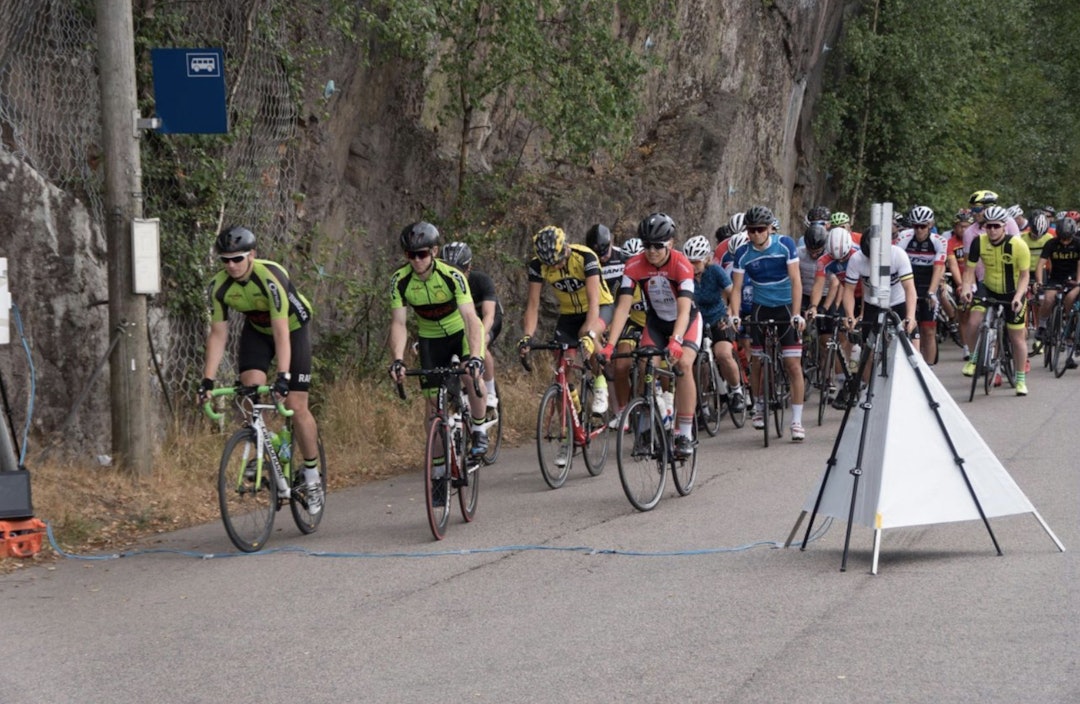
(661, 286)
(807, 269)
(436, 299)
(266, 295)
(568, 281)
(767, 269)
(955, 247)
(924, 256)
(611, 270)
(746, 300)
(1063, 259)
(709, 293)
(1036, 245)
(482, 289)
(1003, 262)
(858, 269)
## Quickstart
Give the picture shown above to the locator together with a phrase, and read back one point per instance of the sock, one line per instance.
(311, 463)
(1021, 377)
(796, 413)
(737, 390)
(477, 422)
(686, 425)
(599, 382)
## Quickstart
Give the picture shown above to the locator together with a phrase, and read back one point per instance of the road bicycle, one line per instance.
(836, 358)
(811, 358)
(565, 421)
(946, 327)
(1067, 342)
(449, 440)
(713, 393)
(646, 451)
(1054, 339)
(993, 351)
(775, 386)
(260, 472)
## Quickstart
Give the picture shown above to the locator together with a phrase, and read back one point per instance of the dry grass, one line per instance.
(368, 433)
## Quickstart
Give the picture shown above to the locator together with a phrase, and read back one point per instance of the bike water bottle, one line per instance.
(667, 406)
(284, 448)
(853, 360)
(575, 398)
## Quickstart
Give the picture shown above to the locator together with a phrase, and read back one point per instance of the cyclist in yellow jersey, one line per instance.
(585, 303)
(1007, 272)
(447, 323)
(276, 326)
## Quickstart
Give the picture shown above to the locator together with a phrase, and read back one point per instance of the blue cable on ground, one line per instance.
(292, 549)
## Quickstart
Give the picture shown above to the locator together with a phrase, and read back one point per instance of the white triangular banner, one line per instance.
(910, 476)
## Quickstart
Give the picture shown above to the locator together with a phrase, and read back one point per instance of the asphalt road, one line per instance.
(531, 604)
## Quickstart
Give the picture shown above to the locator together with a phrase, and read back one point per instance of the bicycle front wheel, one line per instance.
(437, 477)
(597, 437)
(684, 469)
(709, 404)
(467, 477)
(554, 437)
(1051, 335)
(992, 368)
(247, 493)
(642, 454)
(981, 353)
(306, 521)
(1063, 346)
(494, 429)
(825, 380)
(782, 393)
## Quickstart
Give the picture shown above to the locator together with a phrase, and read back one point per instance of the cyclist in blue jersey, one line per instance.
(771, 263)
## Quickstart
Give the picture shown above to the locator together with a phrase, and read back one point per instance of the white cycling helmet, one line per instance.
(737, 223)
(1014, 211)
(995, 213)
(839, 243)
(921, 215)
(737, 241)
(697, 249)
(632, 246)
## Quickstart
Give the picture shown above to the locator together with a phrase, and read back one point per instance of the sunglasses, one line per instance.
(921, 227)
(233, 260)
(754, 230)
(655, 245)
(419, 254)
(976, 209)
(993, 226)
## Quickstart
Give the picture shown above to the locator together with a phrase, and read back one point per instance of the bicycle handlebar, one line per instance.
(446, 371)
(560, 346)
(246, 391)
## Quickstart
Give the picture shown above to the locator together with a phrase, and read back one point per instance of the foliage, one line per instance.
(561, 65)
(937, 98)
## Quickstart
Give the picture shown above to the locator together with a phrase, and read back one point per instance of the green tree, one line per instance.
(563, 65)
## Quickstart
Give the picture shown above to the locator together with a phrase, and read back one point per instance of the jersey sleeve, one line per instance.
(973, 251)
(218, 311)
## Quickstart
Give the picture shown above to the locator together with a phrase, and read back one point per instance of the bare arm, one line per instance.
(215, 348)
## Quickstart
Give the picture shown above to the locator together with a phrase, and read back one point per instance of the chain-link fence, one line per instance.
(50, 119)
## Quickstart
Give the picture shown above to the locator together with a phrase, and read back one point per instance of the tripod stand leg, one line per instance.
(794, 530)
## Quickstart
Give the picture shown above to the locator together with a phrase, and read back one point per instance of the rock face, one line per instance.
(726, 124)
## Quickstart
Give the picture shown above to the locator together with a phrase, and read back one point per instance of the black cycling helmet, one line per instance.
(456, 254)
(598, 239)
(658, 227)
(1066, 228)
(759, 215)
(722, 233)
(819, 213)
(235, 239)
(815, 236)
(419, 235)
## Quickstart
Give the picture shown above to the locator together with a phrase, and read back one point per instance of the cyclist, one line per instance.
(612, 259)
(770, 262)
(841, 219)
(735, 226)
(927, 253)
(275, 326)
(447, 325)
(1036, 236)
(585, 303)
(1059, 266)
(628, 340)
(1007, 270)
(712, 289)
(829, 274)
(666, 280)
(955, 262)
(489, 308)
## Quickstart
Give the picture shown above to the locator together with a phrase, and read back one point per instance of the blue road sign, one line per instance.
(189, 89)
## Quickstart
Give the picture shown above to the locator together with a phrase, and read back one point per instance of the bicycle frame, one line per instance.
(775, 389)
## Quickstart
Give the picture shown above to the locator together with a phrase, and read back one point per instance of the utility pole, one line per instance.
(129, 374)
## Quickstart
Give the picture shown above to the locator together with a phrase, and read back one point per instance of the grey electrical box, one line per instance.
(5, 304)
(146, 256)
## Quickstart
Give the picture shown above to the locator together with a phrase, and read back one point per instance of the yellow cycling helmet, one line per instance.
(550, 245)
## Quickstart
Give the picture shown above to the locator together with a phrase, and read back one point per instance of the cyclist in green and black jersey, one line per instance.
(446, 320)
(276, 325)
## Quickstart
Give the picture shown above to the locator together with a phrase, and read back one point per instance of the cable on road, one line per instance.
(580, 549)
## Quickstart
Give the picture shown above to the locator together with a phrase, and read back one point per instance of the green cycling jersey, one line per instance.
(267, 294)
(436, 299)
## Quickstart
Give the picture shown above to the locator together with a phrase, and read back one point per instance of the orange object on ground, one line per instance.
(21, 538)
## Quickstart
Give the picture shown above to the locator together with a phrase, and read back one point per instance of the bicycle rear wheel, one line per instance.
(783, 397)
(768, 388)
(709, 404)
(684, 470)
(247, 494)
(1051, 334)
(466, 477)
(642, 455)
(1064, 345)
(554, 437)
(437, 477)
(597, 438)
(494, 429)
(298, 500)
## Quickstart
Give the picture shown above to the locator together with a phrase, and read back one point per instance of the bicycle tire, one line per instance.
(1064, 346)
(597, 439)
(494, 430)
(980, 358)
(823, 399)
(709, 403)
(767, 382)
(247, 499)
(993, 360)
(782, 395)
(684, 470)
(554, 429)
(437, 444)
(642, 454)
(467, 484)
(1051, 334)
(304, 520)
(810, 360)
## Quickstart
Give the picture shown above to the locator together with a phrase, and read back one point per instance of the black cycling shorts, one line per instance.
(257, 351)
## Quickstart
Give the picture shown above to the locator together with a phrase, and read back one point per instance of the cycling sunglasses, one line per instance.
(234, 259)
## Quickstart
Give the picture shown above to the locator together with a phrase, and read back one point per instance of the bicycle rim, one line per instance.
(708, 392)
(782, 393)
(766, 394)
(684, 470)
(993, 362)
(642, 455)
(1063, 348)
(597, 438)
(467, 478)
(739, 419)
(248, 502)
(554, 434)
(1051, 335)
(437, 445)
(298, 501)
(494, 430)
(823, 399)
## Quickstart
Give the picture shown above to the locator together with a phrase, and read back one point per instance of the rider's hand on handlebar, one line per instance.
(397, 371)
(475, 367)
(523, 345)
(798, 322)
(205, 387)
(281, 385)
(606, 351)
(734, 322)
(674, 348)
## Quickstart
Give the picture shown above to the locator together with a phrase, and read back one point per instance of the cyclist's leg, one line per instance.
(1016, 328)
